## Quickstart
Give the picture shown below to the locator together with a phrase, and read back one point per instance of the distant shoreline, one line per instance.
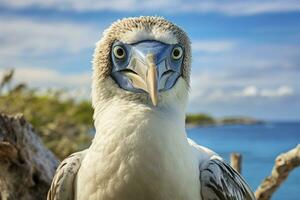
(204, 120)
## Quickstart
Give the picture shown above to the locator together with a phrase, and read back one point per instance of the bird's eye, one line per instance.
(119, 52)
(177, 53)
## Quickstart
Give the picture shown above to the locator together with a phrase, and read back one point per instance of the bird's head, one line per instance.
(145, 60)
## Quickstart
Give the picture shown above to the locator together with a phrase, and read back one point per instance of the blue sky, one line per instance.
(246, 54)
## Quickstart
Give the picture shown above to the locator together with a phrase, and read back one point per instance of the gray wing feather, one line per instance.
(62, 186)
(221, 182)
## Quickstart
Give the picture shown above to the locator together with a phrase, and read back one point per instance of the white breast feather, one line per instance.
(140, 153)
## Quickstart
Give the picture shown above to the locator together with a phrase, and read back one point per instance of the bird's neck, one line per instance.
(144, 149)
(122, 120)
(122, 123)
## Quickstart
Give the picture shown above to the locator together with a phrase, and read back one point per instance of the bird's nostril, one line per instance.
(129, 71)
(167, 73)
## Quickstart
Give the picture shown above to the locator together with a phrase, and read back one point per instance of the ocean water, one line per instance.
(259, 146)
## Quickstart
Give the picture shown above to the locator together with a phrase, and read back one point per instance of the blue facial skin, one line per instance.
(168, 68)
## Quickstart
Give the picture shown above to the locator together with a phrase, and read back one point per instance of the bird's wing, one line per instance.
(62, 186)
(221, 182)
(218, 180)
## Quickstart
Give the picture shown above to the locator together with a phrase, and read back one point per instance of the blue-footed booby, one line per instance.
(141, 75)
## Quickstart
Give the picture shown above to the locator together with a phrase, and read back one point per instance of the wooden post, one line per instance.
(236, 162)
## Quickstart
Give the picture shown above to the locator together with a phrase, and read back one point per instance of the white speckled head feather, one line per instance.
(132, 30)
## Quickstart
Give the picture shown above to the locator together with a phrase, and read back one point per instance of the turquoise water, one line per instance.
(259, 145)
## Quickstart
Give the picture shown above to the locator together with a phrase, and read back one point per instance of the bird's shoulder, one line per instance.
(62, 186)
(219, 180)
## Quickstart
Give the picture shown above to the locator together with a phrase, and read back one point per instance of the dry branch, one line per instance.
(284, 164)
(26, 166)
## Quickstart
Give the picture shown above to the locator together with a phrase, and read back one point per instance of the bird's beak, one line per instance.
(145, 77)
(152, 79)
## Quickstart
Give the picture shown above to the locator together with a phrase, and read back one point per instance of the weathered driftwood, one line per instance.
(26, 166)
(284, 164)
(236, 161)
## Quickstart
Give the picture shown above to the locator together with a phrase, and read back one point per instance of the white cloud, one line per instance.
(44, 78)
(249, 59)
(247, 7)
(253, 91)
(280, 92)
(47, 77)
(213, 46)
(235, 84)
(230, 7)
(77, 85)
(249, 91)
(25, 36)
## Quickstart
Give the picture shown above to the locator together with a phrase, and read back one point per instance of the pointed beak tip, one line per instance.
(154, 103)
(153, 98)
